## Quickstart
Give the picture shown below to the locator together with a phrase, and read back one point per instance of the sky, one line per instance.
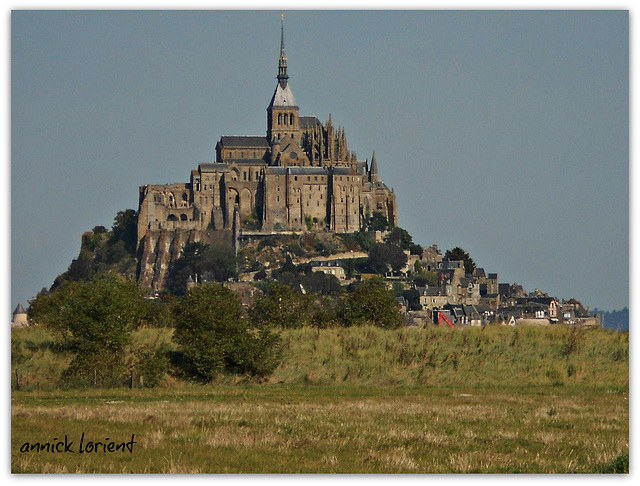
(503, 132)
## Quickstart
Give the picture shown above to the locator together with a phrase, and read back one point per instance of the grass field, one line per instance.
(502, 400)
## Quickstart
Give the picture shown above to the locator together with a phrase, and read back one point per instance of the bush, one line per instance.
(94, 319)
(371, 302)
(216, 338)
(151, 364)
(280, 307)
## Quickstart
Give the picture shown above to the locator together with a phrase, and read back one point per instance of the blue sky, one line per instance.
(503, 132)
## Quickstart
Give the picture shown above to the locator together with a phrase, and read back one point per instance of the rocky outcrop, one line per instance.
(159, 249)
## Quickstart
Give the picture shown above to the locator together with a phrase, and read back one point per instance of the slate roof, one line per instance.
(479, 272)
(295, 170)
(244, 141)
(246, 161)
(283, 96)
(212, 167)
(309, 122)
(19, 310)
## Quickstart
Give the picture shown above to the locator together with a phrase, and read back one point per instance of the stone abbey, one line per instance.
(299, 176)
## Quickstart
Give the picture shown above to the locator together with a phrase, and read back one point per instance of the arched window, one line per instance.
(279, 118)
(183, 217)
(291, 119)
(172, 217)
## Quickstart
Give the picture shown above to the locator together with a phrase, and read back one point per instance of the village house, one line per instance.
(329, 267)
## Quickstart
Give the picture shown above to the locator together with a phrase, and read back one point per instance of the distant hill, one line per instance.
(617, 320)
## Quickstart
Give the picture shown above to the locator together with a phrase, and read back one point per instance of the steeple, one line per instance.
(373, 170)
(282, 61)
(283, 112)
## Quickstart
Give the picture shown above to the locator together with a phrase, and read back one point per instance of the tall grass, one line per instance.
(490, 356)
(356, 400)
(495, 355)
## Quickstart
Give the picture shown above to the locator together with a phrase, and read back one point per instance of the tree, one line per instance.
(210, 263)
(425, 279)
(412, 296)
(371, 302)
(282, 307)
(458, 254)
(125, 228)
(385, 255)
(94, 319)
(216, 338)
(377, 222)
(322, 283)
(400, 237)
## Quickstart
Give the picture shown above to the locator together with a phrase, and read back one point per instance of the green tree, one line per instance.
(213, 263)
(377, 222)
(425, 279)
(385, 255)
(94, 319)
(401, 237)
(458, 254)
(371, 302)
(321, 283)
(412, 296)
(282, 307)
(216, 338)
(125, 229)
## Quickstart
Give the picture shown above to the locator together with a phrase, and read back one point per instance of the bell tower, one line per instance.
(283, 113)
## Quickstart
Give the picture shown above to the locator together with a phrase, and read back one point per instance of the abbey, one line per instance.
(298, 176)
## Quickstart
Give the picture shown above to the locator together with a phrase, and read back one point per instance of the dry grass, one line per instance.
(340, 429)
(352, 401)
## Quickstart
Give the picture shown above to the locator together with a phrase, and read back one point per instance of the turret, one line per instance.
(373, 170)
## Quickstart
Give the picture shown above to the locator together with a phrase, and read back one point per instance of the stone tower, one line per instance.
(283, 114)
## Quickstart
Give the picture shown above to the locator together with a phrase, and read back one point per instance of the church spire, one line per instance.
(373, 170)
(282, 61)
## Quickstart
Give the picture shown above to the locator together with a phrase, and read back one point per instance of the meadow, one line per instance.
(357, 400)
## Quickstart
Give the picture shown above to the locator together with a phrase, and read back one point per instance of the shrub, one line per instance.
(371, 302)
(94, 319)
(216, 338)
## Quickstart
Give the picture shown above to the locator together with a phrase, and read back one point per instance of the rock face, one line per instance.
(159, 249)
